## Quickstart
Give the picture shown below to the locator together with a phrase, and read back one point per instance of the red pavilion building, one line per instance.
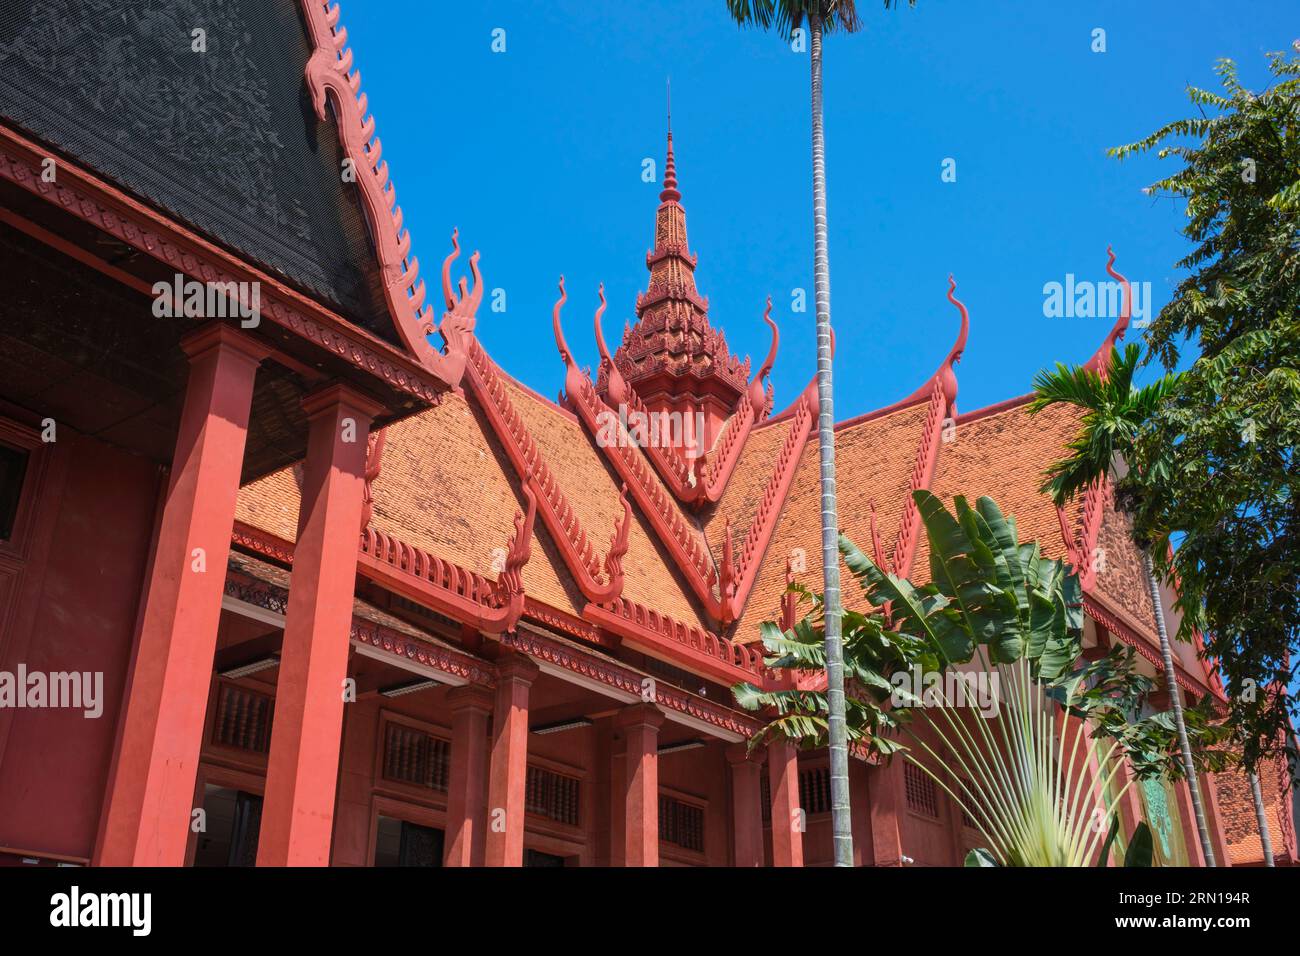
(359, 600)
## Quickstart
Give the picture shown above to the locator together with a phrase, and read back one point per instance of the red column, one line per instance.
(746, 804)
(148, 807)
(1187, 816)
(509, 767)
(882, 788)
(303, 767)
(471, 706)
(860, 802)
(787, 816)
(1218, 839)
(640, 724)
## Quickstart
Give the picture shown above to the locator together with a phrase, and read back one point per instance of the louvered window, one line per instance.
(922, 795)
(552, 795)
(243, 719)
(815, 791)
(411, 756)
(681, 824)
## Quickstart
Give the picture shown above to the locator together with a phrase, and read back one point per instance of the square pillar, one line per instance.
(746, 804)
(302, 770)
(149, 803)
(883, 787)
(471, 706)
(1214, 820)
(860, 802)
(1187, 817)
(788, 818)
(640, 725)
(509, 763)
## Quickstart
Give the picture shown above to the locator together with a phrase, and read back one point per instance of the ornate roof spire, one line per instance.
(670, 192)
(672, 356)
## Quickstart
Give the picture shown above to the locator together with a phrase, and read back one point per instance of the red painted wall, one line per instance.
(96, 507)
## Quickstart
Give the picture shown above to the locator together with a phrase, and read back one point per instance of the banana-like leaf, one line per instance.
(1140, 848)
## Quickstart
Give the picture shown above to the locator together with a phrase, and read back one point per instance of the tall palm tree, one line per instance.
(1113, 413)
(823, 16)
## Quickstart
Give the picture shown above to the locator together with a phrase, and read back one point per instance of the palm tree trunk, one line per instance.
(1176, 701)
(1265, 839)
(839, 749)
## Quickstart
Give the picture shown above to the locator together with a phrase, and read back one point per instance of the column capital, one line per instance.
(518, 669)
(335, 394)
(220, 335)
(474, 697)
(640, 715)
(740, 755)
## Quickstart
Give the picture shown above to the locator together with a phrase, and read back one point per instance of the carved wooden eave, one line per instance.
(493, 607)
(1103, 611)
(630, 682)
(250, 590)
(96, 202)
(487, 384)
(329, 71)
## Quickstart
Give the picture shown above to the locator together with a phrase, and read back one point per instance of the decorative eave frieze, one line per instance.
(720, 658)
(492, 607)
(623, 678)
(105, 207)
(1105, 613)
(275, 599)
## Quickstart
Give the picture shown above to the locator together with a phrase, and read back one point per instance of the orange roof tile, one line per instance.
(874, 463)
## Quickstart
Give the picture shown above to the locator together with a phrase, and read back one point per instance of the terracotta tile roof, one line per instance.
(590, 486)
(1240, 825)
(447, 487)
(745, 488)
(1003, 453)
(874, 458)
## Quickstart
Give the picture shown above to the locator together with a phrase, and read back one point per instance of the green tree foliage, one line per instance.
(1214, 462)
(1001, 606)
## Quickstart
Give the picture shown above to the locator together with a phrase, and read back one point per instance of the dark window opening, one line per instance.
(399, 843)
(538, 858)
(232, 821)
(13, 468)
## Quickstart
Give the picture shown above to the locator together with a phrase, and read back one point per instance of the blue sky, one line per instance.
(536, 154)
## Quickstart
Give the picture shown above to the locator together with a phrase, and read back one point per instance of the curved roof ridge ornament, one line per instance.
(947, 374)
(560, 343)
(615, 386)
(329, 71)
(511, 581)
(462, 306)
(759, 399)
(618, 545)
(1100, 362)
